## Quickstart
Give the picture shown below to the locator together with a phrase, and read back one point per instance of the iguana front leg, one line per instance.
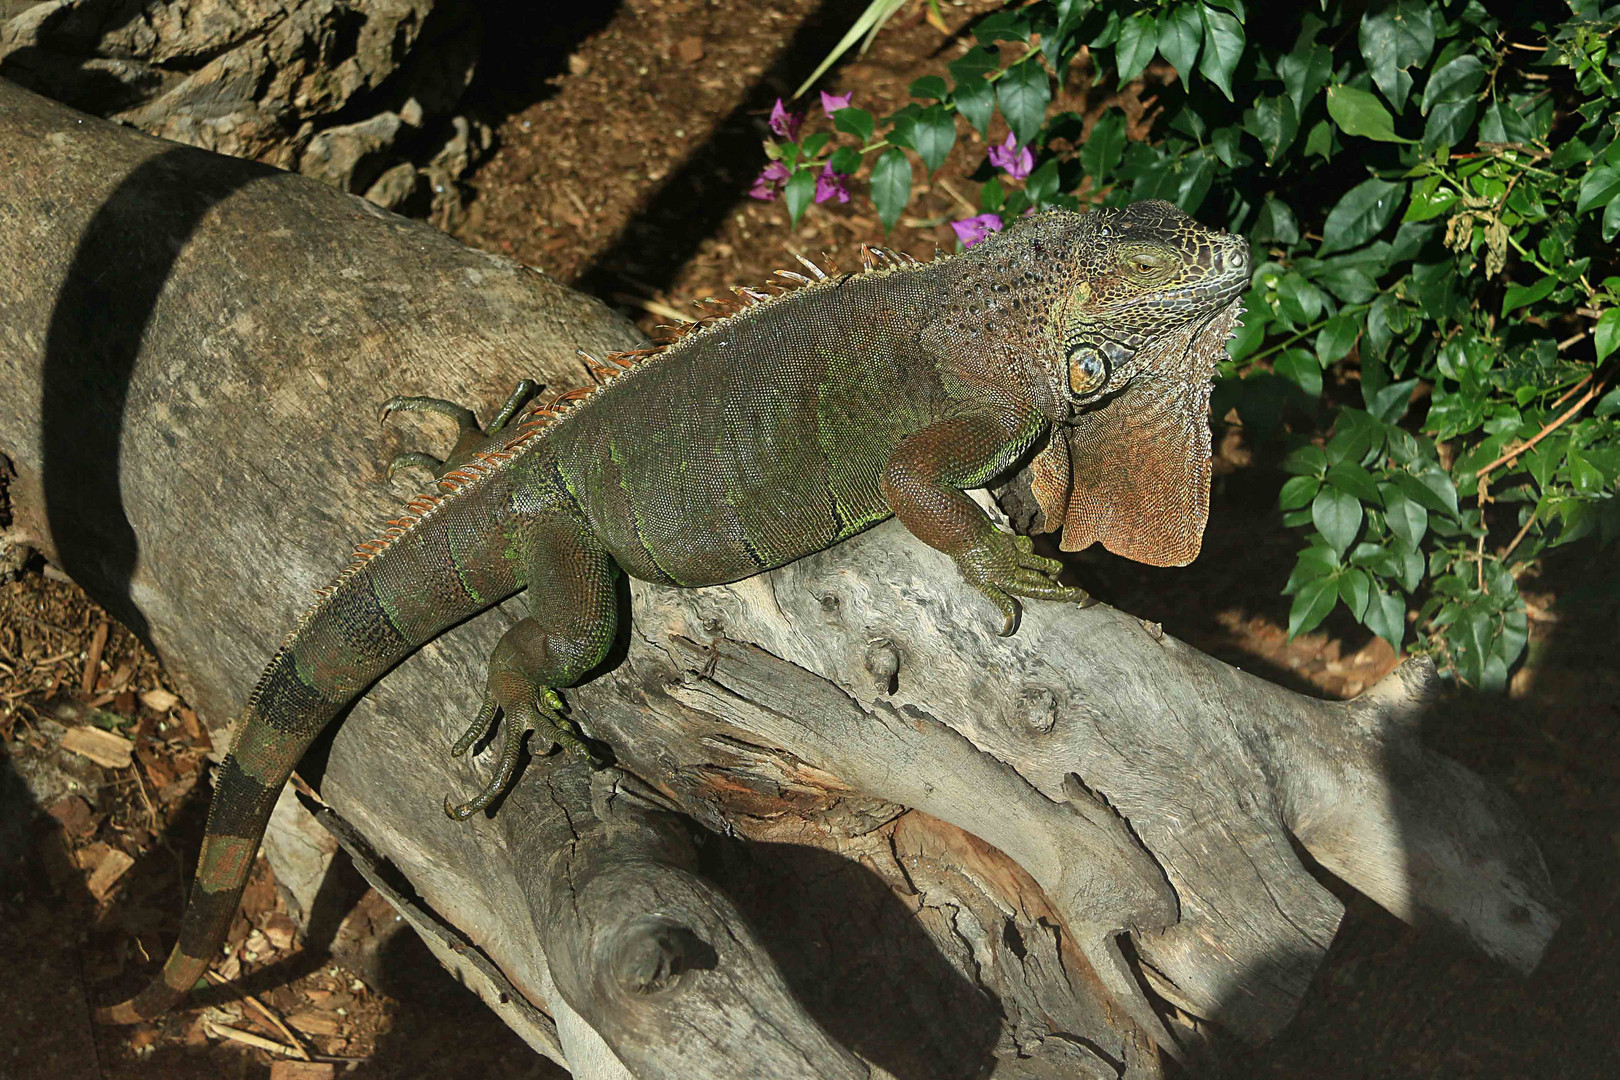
(923, 483)
(573, 617)
(468, 433)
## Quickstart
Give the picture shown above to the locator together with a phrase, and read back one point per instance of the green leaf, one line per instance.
(1181, 32)
(1337, 516)
(1312, 604)
(1524, 295)
(1352, 479)
(1337, 338)
(1598, 188)
(1357, 112)
(1100, 154)
(1431, 487)
(1320, 140)
(1389, 403)
(1314, 562)
(1300, 368)
(1275, 122)
(934, 136)
(1306, 461)
(1304, 72)
(1606, 334)
(891, 185)
(1355, 588)
(1223, 46)
(846, 160)
(1298, 491)
(1406, 518)
(1138, 38)
(1024, 93)
(975, 99)
(1042, 184)
(1360, 215)
(1299, 299)
(1386, 617)
(1429, 200)
(929, 88)
(1004, 25)
(801, 188)
(1611, 221)
(1398, 37)
(1453, 82)
(856, 122)
(1275, 224)
(974, 65)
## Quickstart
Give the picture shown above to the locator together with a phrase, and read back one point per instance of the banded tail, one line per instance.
(403, 594)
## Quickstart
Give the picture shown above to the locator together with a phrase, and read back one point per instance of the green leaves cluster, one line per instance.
(1432, 191)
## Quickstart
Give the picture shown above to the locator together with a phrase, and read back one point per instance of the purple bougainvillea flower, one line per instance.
(831, 103)
(1016, 161)
(784, 123)
(974, 229)
(769, 182)
(832, 185)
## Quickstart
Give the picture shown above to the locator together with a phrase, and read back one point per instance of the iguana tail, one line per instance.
(407, 589)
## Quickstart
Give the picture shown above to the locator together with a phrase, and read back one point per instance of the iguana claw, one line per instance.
(1003, 566)
(545, 716)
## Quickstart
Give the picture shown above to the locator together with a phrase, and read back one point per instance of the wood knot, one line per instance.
(1040, 706)
(883, 664)
(654, 951)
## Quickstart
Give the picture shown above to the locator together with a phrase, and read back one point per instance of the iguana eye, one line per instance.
(1088, 371)
(1145, 263)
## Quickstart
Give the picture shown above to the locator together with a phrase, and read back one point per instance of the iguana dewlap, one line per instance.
(794, 423)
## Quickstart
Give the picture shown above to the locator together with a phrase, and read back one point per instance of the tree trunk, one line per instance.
(850, 832)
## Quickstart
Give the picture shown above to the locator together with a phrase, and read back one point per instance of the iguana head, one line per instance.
(1137, 323)
(1142, 273)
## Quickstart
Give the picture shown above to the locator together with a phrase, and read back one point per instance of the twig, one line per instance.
(1518, 536)
(225, 1031)
(1509, 455)
(265, 1011)
(652, 307)
(1572, 391)
(151, 811)
(92, 660)
(953, 193)
(44, 623)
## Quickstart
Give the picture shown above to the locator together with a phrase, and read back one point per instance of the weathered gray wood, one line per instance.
(358, 95)
(193, 350)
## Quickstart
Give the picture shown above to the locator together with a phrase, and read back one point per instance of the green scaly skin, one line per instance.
(759, 439)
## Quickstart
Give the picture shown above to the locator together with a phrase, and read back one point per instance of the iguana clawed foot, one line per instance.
(468, 433)
(1004, 566)
(540, 712)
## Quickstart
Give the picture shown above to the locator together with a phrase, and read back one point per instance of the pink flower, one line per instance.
(974, 229)
(769, 182)
(784, 123)
(831, 103)
(1016, 161)
(832, 185)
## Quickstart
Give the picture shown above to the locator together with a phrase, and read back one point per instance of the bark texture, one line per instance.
(851, 831)
(361, 94)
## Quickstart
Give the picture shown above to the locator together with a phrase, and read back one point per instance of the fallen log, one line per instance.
(850, 830)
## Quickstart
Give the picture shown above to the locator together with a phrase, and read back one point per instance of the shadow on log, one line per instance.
(1044, 808)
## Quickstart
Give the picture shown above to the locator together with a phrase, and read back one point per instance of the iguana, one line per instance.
(794, 422)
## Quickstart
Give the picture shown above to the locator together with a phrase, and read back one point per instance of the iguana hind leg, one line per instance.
(468, 434)
(574, 615)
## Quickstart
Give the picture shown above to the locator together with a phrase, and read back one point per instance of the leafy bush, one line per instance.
(1432, 190)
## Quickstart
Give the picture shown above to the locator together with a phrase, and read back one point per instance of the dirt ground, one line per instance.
(628, 136)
